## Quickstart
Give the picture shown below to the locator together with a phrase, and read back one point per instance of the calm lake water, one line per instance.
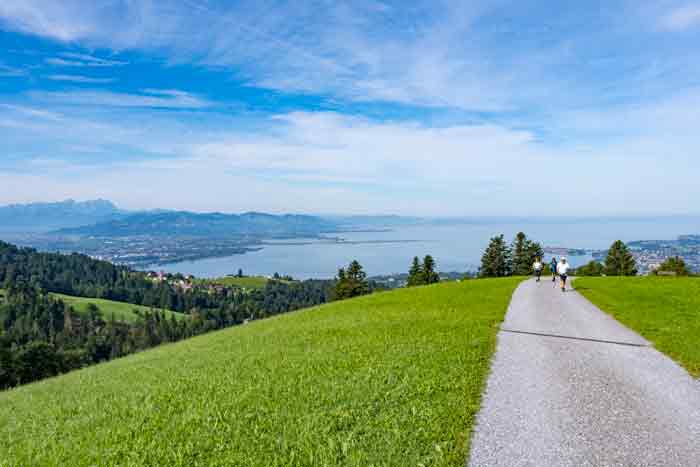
(455, 247)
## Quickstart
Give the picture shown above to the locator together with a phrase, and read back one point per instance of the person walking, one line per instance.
(553, 268)
(563, 271)
(537, 266)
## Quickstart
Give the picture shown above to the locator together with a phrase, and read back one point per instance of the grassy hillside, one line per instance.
(392, 379)
(665, 310)
(121, 311)
(252, 282)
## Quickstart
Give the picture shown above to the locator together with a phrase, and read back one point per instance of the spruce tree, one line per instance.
(620, 261)
(415, 274)
(496, 259)
(535, 251)
(341, 285)
(674, 264)
(431, 276)
(521, 262)
(351, 282)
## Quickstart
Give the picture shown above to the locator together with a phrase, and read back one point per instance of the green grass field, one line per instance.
(391, 379)
(665, 310)
(121, 311)
(252, 282)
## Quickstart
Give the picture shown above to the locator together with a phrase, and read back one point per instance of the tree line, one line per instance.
(501, 259)
(42, 336)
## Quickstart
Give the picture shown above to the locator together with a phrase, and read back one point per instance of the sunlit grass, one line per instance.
(665, 310)
(391, 379)
(125, 312)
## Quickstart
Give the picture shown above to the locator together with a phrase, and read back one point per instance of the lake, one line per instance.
(456, 247)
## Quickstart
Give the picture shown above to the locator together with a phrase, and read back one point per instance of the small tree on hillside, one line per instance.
(415, 274)
(496, 259)
(674, 264)
(620, 261)
(592, 268)
(431, 276)
(351, 282)
(525, 251)
(535, 251)
(521, 255)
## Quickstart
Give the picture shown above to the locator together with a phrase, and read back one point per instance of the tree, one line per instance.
(674, 264)
(415, 274)
(431, 276)
(620, 261)
(593, 268)
(496, 259)
(240, 273)
(525, 252)
(351, 282)
(521, 255)
(358, 279)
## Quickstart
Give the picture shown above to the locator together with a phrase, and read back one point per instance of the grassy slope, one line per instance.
(121, 311)
(393, 379)
(665, 310)
(252, 282)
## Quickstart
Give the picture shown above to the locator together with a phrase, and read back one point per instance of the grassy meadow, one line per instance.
(121, 311)
(665, 310)
(247, 282)
(391, 379)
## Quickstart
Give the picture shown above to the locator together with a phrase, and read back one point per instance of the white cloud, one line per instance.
(328, 162)
(33, 112)
(11, 72)
(71, 59)
(153, 98)
(681, 18)
(80, 79)
(426, 53)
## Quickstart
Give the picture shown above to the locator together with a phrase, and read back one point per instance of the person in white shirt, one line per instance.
(537, 266)
(563, 271)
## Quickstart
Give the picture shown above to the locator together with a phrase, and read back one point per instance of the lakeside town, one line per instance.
(650, 254)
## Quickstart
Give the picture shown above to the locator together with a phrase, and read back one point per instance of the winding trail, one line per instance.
(570, 386)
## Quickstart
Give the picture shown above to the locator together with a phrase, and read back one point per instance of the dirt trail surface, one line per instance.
(570, 386)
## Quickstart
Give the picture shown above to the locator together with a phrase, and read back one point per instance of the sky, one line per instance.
(443, 108)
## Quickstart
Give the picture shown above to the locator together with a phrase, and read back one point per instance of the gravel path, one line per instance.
(570, 386)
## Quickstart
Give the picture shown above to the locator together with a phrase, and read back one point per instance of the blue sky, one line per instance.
(428, 108)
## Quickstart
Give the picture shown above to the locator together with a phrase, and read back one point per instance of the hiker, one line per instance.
(563, 271)
(537, 266)
(553, 268)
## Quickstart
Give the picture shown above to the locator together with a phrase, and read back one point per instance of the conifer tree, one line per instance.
(415, 274)
(620, 261)
(674, 264)
(521, 255)
(431, 276)
(496, 259)
(525, 252)
(351, 282)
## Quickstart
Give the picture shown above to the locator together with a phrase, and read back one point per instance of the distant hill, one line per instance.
(189, 224)
(43, 217)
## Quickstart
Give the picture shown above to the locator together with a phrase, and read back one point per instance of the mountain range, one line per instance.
(189, 224)
(102, 218)
(43, 217)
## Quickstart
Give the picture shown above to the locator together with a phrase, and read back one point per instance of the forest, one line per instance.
(41, 336)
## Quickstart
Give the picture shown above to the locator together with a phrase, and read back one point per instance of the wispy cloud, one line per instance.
(33, 112)
(70, 59)
(149, 98)
(80, 79)
(473, 56)
(682, 18)
(10, 72)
